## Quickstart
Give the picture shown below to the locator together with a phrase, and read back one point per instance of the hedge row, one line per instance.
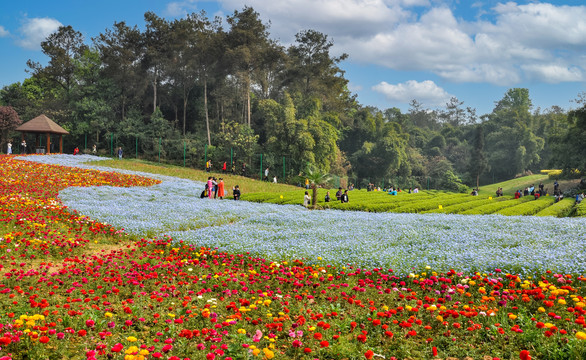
(559, 209)
(460, 208)
(528, 207)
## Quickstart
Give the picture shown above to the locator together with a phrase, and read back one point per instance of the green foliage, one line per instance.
(528, 207)
(560, 209)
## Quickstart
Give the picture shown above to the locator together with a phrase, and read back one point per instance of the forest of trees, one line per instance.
(237, 92)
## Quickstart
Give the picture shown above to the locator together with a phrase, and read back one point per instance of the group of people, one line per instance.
(22, 147)
(536, 193)
(341, 196)
(209, 166)
(214, 188)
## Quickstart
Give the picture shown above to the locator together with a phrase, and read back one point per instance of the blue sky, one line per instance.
(399, 50)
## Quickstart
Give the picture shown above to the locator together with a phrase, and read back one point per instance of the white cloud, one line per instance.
(426, 92)
(336, 18)
(520, 42)
(180, 8)
(36, 30)
(3, 32)
(554, 73)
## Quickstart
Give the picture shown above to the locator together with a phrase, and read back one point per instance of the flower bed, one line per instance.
(164, 298)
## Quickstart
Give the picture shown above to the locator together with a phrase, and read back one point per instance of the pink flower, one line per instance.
(90, 323)
(257, 336)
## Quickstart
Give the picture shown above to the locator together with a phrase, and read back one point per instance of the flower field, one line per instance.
(429, 202)
(120, 266)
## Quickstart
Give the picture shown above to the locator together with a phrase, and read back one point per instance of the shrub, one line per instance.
(559, 209)
(528, 207)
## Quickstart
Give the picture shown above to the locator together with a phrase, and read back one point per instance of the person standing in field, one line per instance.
(9, 148)
(327, 199)
(215, 185)
(23, 144)
(221, 188)
(120, 153)
(306, 199)
(224, 167)
(210, 187)
(267, 174)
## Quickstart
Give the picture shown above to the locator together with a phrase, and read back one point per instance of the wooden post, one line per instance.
(60, 143)
(48, 143)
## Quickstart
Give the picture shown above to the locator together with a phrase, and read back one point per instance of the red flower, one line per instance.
(524, 355)
(117, 348)
(324, 344)
(82, 333)
(44, 339)
(317, 336)
(307, 350)
(369, 354)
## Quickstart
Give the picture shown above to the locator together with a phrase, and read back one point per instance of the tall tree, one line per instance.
(121, 50)
(62, 47)
(478, 161)
(156, 50)
(9, 120)
(246, 40)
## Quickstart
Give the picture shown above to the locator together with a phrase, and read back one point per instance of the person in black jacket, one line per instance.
(344, 197)
(236, 192)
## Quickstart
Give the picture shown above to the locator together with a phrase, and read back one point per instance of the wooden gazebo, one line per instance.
(43, 125)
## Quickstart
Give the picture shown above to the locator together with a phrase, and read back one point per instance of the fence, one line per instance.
(194, 154)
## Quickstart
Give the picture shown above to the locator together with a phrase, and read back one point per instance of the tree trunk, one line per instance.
(184, 112)
(478, 181)
(314, 195)
(155, 93)
(205, 105)
(248, 111)
(123, 107)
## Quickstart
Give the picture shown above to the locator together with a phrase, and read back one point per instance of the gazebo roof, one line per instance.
(42, 124)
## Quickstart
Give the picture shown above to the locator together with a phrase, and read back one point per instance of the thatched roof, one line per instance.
(42, 124)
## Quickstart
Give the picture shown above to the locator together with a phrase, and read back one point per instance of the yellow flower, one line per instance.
(581, 335)
(541, 309)
(255, 352)
(268, 353)
(131, 339)
(241, 331)
(109, 314)
(439, 318)
(512, 316)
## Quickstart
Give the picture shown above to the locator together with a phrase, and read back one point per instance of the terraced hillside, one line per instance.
(432, 202)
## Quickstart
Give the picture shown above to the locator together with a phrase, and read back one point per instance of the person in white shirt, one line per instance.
(306, 199)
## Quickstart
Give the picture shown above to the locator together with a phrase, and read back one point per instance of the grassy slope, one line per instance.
(246, 185)
(510, 186)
